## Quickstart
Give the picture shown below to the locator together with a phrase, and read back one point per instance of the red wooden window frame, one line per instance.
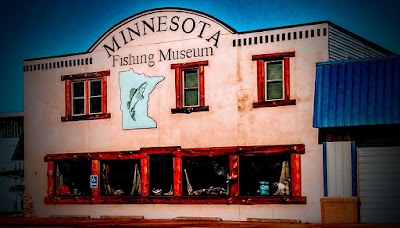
(261, 77)
(179, 68)
(69, 79)
(233, 153)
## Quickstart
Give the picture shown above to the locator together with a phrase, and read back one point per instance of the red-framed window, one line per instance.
(217, 175)
(86, 96)
(273, 79)
(189, 87)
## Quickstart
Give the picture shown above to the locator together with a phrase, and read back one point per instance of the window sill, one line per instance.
(189, 110)
(243, 200)
(86, 117)
(273, 103)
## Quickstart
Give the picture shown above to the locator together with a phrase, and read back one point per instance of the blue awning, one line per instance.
(357, 92)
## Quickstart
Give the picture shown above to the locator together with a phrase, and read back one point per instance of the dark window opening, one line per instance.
(294, 35)
(95, 96)
(263, 175)
(161, 175)
(261, 39)
(205, 176)
(255, 40)
(73, 177)
(121, 178)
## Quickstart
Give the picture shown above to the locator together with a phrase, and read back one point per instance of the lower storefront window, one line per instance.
(218, 175)
(120, 178)
(161, 177)
(71, 178)
(205, 176)
(265, 175)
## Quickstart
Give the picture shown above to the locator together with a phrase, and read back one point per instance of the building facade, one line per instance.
(11, 161)
(357, 112)
(174, 113)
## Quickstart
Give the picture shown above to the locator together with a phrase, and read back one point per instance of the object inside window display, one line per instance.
(161, 175)
(263, 175)
(205, 176)
(72, 177)
(121, 177)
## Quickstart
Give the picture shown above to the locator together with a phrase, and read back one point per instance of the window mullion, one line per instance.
(286, 78)
(104, 94)
(96, 171)
(296, 174)
(177, 176)
(145, 170)
(50, 179)
(201, 85)
(234, 175)
(178, 87)
(87, 97)
(261, 72)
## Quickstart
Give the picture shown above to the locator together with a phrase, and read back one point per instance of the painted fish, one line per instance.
(135, 95)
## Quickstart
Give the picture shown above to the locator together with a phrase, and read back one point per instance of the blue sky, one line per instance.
(32, 29)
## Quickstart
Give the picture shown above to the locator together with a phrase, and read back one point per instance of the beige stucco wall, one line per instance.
(230, 90)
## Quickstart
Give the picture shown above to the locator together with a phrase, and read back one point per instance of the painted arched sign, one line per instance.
(147, 39)
(161, 25)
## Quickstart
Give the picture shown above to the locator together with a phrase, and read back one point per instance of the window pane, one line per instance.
(161, 175)
(72, 177)
(274, 70)
(265, 175)
(95, 88)
(78, 89)
(205, 176)
(120, 177)
(274, 90)
(95, 104)
(191, 97)
(78, 106)
(191, 78)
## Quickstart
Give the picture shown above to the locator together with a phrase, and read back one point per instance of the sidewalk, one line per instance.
(8, 221)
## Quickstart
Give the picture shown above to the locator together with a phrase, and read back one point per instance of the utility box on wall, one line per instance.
(339, 210)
